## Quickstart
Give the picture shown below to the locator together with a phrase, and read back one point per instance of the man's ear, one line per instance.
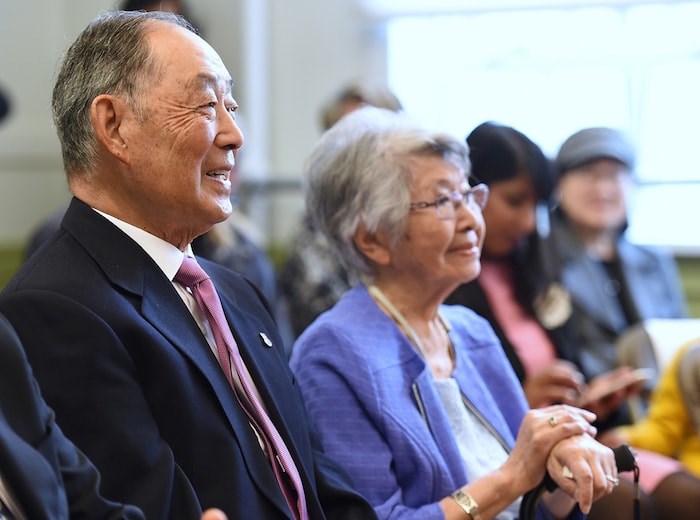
(374, 246)
(107, 115)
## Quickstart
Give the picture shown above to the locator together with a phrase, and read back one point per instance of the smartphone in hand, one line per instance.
(631, 381)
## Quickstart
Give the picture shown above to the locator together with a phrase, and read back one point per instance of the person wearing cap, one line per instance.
(518, 292)
(613, 283)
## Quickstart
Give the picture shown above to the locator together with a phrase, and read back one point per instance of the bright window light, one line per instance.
(551, 72)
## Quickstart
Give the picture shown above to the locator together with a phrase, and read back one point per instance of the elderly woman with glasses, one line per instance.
(414, 398)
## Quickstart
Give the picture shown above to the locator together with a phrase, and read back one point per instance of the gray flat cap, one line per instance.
(590, 144)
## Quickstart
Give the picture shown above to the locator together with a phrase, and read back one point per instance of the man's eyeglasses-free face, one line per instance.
(447, 205)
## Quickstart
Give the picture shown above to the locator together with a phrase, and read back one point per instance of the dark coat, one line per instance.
(135, 385)
(650, 276)
(47, 476)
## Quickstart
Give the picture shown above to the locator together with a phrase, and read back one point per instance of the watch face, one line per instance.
(467, 503)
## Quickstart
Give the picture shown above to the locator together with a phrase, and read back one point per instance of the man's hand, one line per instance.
(214, 514)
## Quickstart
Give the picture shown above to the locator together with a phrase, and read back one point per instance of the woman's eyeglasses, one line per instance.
(447, 205)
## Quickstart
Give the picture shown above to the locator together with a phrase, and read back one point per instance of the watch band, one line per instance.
(466, 502)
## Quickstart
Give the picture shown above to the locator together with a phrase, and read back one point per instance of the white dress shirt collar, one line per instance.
(164, 254)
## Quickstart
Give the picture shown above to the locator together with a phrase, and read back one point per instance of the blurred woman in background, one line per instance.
(520, 292)
(615, 283)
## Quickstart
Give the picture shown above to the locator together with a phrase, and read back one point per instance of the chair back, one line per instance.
(653, 343)
(689, 381)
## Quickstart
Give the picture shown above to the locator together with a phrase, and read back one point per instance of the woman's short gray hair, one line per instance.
(360, 172)
(111, 56)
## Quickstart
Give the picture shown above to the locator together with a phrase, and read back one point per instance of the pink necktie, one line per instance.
(191, 275)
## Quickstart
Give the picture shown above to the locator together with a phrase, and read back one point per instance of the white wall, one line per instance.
(32, 36)
(286, 56)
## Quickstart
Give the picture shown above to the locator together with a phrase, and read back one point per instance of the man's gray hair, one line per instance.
(110, 56)
(360, 172)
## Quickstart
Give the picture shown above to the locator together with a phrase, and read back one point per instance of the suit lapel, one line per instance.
(261, 357)
(171, 317)
(130, 268)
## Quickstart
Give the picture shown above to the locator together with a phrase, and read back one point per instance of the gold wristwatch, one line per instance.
(467, 503)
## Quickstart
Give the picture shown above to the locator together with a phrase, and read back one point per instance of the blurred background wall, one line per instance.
(287, 58)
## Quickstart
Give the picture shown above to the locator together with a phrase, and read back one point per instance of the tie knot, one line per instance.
(190, 273)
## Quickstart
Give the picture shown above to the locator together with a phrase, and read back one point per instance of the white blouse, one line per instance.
(480, 450)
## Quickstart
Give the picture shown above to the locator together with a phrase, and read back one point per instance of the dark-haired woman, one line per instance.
(519, 293)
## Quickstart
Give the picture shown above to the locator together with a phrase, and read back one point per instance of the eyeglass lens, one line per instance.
(474, 198)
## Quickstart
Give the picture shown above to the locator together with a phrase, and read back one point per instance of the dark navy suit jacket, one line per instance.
(135, 385)
(44, 472)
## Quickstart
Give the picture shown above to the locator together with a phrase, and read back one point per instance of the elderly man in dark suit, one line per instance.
(137, 361)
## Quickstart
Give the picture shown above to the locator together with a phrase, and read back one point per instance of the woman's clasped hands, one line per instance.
(560, 440)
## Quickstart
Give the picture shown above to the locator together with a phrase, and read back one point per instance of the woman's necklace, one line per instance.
(406, 328)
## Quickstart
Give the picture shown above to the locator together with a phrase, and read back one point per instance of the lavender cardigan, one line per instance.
(372, 401)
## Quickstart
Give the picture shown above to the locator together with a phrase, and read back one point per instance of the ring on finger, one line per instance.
(615, 481)
(552, 421)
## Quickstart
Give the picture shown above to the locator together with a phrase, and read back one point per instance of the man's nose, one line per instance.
(229, 134)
